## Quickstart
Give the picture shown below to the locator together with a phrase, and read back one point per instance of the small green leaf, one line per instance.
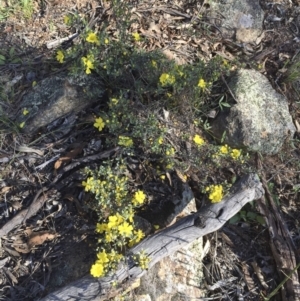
(260, 220)
(251, 215)
(235, 219)
(225, 104)
(11, 51)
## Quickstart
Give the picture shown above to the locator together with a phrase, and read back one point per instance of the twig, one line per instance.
(224, 81)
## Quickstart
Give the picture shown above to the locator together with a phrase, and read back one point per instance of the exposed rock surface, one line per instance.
(175, 278)
(55, 97)
(242, 20)
(260, 121)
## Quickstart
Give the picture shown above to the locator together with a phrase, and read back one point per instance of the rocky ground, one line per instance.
(53, 242)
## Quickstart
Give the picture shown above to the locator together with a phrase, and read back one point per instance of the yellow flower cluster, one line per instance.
(125, 141)
(170, 151)
(116, 229)
(167, 79)
(142, 260)
(215, 193)
(112, 189)
(88, 63)
(226, 150)
(198, 140)
(103, 262)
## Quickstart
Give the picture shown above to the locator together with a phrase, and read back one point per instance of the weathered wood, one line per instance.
(165, 242)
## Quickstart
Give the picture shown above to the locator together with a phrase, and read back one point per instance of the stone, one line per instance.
(55, 97)
(242, 20)
(260, 120)
(176, 277)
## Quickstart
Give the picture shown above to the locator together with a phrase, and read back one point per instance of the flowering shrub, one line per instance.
(116, 228)
(149, 112)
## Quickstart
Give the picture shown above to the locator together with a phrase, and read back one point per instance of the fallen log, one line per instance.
(164, 243)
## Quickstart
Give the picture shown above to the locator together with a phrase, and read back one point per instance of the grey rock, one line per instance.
(55, 97)
(243, 20)
(260, 121)
(177, 277)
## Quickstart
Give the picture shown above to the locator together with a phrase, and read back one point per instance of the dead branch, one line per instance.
(39, 200)
(165, 242)
(282, 246)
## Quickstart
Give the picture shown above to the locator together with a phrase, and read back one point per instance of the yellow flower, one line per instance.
(99, 123)
(114, 101)
(125, 229)
(202, 84)
(198, 140)
(160, 140)
(154, 64)
(136, 36)
(100, 228)
(21, 125)
(109, 237)
(166, 79)
(143, 260)
(163, 177)
(114, 256)
(34, 83)
(106, 41)
(139, 235)
(112, 222)
(235, 153)
(60, 56)
(66, 19)
(170, 152)
(88, 184)
(102, 257)
(224, 149)
(97, 269)
(92, 38)
(25, 112)
(138, 198)
(125, 141)
(215, 193)
(88, 63)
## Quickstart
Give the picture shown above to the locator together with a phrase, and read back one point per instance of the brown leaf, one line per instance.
(38, 238)
(21, 247)
(68, 157)
(34, 239)
(5, 189)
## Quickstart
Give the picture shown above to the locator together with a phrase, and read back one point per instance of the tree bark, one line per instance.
(165, 242)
